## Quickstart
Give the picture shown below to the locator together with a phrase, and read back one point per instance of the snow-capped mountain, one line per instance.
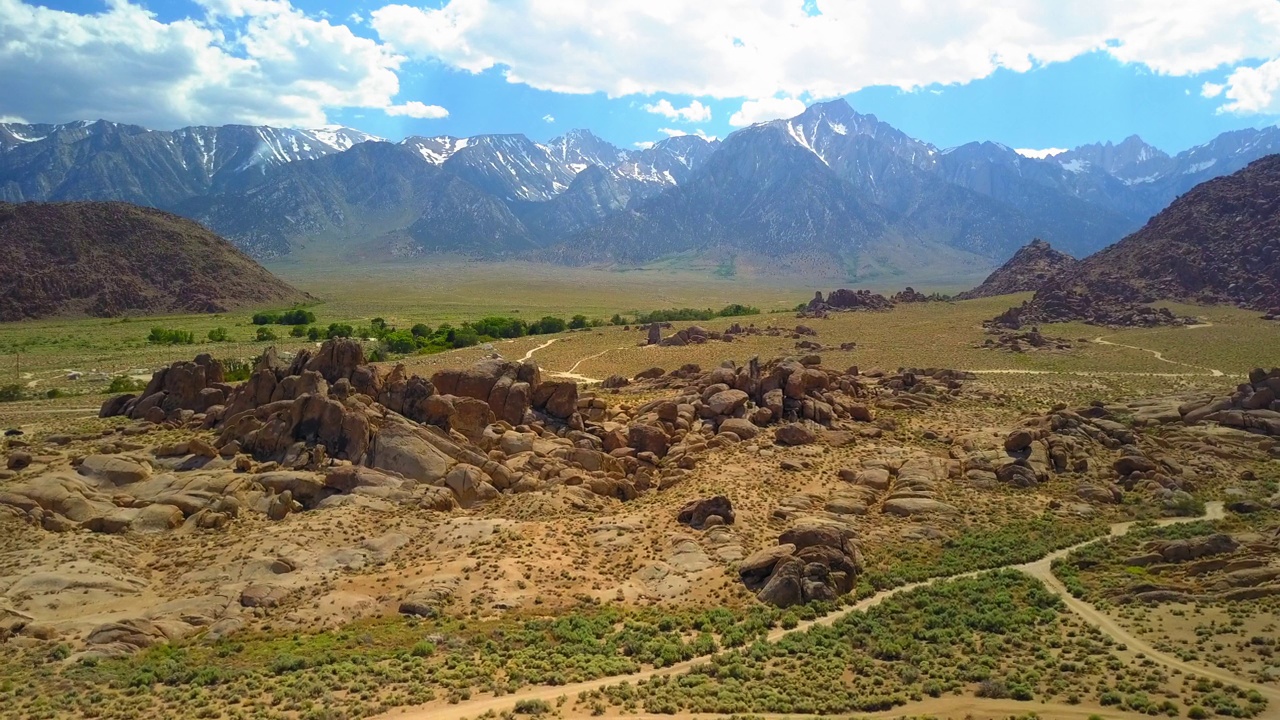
(102, 160)
(829, 183)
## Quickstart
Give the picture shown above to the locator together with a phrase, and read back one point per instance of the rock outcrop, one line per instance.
(809, 563)
(1034, 265)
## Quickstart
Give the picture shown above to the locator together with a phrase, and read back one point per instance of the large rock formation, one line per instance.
(809, 563)
(845, 299)
(1027, 271)
(109, 258)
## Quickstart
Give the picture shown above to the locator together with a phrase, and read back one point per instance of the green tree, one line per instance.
(266, 334)
(577, 322)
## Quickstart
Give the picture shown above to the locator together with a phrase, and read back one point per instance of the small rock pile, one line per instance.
(844, 299)
(1015, 341)
(909, 295)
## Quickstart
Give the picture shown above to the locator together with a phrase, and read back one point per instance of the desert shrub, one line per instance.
(500, 327)
(10, 393)
(547, 326)
(314, 333)
(235, 370)
(577, 322)
(219, 335)
(266, 333)
(337, 330)
(162, 336)
(533, 707)
(420, 330)
(296, 316)
(266, 318)
(400, 341)
(617, 320)
(299, 331)
(53, 393)
(124, 384)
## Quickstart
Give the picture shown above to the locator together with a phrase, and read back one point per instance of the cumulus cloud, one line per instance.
(1040, 153)
(693, 113)
(1212, 90)
(415, 109)
(243, 61)
(548, 118)
(754, 111)
(1253, 90)
(677, 132)
(644, 144)
(755, 50)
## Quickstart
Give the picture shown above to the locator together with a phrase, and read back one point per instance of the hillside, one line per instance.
(1027, 271)
(110, 258)
(1219, 243)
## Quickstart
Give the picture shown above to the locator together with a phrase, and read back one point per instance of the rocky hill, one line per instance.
(109, 258)
(1027, 271)
(1219, 243)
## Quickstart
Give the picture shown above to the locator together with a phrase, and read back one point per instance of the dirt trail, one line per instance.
(1039, 569)
(1101, 340)
(529, 355)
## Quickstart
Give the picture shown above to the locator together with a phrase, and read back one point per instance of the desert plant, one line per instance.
(162, 336)
(266, 333)
(124, 384)
(219, 335)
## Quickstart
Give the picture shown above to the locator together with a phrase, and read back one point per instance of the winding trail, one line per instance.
(1039, 569)
(529, 355)
(1101, 340)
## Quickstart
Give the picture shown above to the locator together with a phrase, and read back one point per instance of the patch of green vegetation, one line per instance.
(219, 334)
(164, 336)
(982, 548)
(727, 268)
(685, 314)
(10, 393)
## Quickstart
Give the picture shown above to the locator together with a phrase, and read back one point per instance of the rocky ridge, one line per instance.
(109, 258)
(1216, 244)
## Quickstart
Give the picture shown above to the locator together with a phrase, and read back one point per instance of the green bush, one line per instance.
(296, 316)
(219, 335)
(420, 330)
(532, 707)
(547, 326)
(10, 393)
(266, 318)
(125, 384)
(337, 330)
(577, 322)
(161, 336)
(299, 331)
(234, 370)
(266, 334)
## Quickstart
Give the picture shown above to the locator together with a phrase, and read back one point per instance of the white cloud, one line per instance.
(12, 119)
(754, 111)
(1212, 90)
(754, 50)
(244, 61)
(1041, 153)
(1253, 90)
(548, 118)
(676, 132)
(644, 144)
(693, 113)
(415, 109)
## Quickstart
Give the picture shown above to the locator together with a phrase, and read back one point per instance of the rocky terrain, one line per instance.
(108, 258)
(326, 489)
(1034, 265)
(1216, 244)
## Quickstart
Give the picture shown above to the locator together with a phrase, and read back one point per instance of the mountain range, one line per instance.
(828, 188)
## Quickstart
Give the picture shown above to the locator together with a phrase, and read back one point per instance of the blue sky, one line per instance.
(1030, 74)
